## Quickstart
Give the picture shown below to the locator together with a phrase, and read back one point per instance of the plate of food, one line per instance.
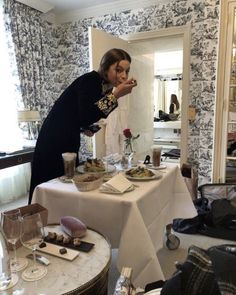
(141, 173)
(66, 242)
(58, 250)
(95, 166)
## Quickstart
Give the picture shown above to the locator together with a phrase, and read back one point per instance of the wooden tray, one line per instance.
(54, 250)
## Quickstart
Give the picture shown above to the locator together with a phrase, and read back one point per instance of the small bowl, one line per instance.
(87, 182)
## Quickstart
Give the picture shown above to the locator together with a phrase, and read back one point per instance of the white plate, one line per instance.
(154, 292)
(103, 190)
(108, 169)
(157, 167)
(54, 250)
(156, 176)
(65, 179)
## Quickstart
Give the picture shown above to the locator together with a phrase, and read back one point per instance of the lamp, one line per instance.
(32, 119)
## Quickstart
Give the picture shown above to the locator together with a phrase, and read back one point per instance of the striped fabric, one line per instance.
(205, 272)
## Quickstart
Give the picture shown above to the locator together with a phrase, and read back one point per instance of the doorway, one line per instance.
(141, 100)
(169, 36)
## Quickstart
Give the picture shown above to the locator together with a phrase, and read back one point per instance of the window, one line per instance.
(14, 181)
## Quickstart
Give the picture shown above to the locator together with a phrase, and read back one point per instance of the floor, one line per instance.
(15, 204)
(166, 257)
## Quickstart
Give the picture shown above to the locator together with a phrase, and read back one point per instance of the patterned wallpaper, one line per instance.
(66, 48)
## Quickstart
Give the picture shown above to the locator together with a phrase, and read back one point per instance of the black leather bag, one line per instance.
(216, 213)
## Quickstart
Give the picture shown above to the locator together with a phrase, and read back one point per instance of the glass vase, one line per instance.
(127, 155)
(128, 149)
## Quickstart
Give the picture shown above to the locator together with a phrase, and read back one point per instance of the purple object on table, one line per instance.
(73, 226)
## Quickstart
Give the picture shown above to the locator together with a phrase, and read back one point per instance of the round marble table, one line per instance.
(86, 274)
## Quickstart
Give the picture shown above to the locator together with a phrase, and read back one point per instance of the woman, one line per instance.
(174, 105)
(88, 99)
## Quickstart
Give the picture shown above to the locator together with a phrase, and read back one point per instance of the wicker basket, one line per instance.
(87, 182)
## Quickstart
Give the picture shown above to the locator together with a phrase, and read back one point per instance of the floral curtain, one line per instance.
(14, 181)
(26, 28)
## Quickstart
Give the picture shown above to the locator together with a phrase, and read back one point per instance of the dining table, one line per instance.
(134, 222)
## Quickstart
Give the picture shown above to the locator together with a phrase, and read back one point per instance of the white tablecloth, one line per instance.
(133, 222)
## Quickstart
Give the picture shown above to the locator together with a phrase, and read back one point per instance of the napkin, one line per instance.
(117, 184)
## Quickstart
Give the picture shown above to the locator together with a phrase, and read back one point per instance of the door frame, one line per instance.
(183, 31)
(222, 92)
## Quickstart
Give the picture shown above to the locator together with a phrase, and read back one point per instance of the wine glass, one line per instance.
(32, 235)
(11, 225)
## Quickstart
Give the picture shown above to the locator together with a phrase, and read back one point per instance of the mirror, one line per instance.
(168, 68)
(165, 89)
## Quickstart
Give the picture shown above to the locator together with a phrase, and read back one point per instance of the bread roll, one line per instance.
(73, 226)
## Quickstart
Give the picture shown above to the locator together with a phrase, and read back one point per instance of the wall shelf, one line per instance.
(168, 125)
(171, 140)
(231, 158)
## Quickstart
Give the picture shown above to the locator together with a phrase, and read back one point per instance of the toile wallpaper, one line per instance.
(65, 56)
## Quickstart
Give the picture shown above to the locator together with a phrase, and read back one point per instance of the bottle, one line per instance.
(5, 270)
(123, 284)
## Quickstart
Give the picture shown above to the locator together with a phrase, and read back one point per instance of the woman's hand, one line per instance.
(125, 87)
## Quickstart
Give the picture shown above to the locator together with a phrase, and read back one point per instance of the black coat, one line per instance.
(60, 132)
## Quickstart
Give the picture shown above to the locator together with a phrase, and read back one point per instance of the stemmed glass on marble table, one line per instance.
(11, 225)
(32, 235)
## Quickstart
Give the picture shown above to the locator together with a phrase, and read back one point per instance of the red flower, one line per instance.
(127, 133)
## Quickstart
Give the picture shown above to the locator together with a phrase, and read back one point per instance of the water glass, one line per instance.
(11, 225)
(31, 237)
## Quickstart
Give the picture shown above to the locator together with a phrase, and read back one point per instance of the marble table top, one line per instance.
(65, 276)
